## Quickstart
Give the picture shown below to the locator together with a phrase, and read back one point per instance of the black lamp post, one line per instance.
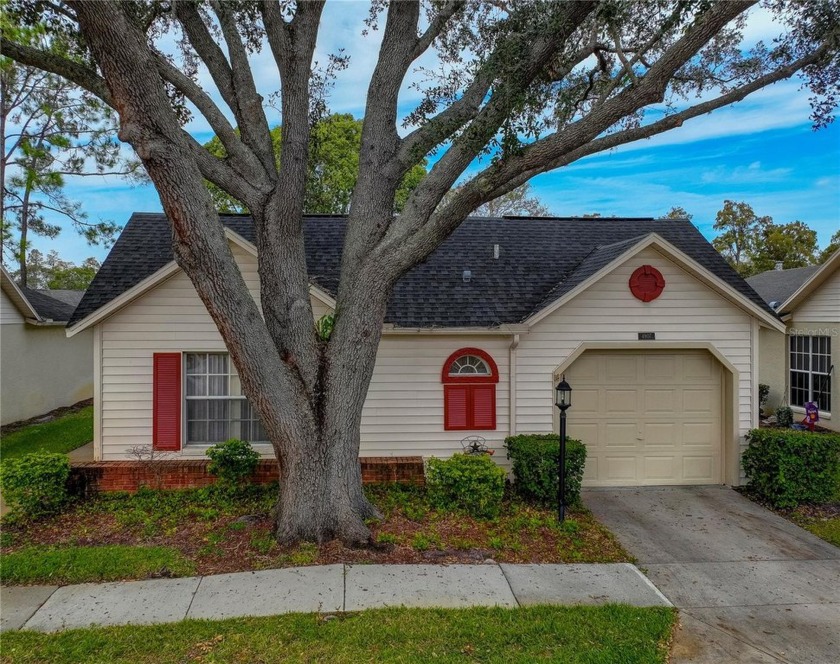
(562, 399)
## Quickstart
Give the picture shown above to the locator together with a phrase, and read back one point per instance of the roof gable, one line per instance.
(604, 260)
(539, 260)
(812, 283)
(17, 296)
(778, 285)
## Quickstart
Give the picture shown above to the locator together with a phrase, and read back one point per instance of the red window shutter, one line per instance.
(166, 402)
(484, 407)
(455, 407)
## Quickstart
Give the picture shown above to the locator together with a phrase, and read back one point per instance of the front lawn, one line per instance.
(592, 635)
(80, 564)
(61, 435)
(207, 531)
(822, 520)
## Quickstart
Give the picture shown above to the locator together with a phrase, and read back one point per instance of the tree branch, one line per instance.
(85, 77)
(436, 26)
(255, 130)
(247, 164)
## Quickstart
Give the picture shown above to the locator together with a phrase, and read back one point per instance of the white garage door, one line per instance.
(648, 418)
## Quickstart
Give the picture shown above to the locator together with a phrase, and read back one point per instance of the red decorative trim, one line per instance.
(647, 283)
(494, 370)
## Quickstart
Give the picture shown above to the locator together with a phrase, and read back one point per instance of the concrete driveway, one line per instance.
(751, 587)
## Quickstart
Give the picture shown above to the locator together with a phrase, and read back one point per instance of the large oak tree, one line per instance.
(523, 87)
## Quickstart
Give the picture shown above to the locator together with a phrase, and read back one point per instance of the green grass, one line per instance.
(61, 435)
(80, 564)
(591, 635)
(828, 529)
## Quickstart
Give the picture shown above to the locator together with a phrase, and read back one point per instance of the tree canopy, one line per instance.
(53, 273)
(754, 244)
(51, 129)
(334, 146)
(514, 89)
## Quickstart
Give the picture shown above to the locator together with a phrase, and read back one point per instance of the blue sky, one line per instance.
(761, 151)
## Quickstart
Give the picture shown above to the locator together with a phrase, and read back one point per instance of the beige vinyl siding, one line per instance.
(687, 311)
(403, 414)
(171, 317)
(823, 305)
(9, 313)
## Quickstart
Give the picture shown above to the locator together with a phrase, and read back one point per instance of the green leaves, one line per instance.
(787, 468)
(472, 483)
(754, 244)
(535, 459)
(232, 462)
(334, 147)
(35, 485)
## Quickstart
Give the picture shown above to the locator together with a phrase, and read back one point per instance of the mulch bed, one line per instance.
(236, 535)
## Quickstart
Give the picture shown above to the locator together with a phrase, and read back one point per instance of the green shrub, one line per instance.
(787, 468)
(468, 482)
(784, 416)
(35, 485)
(535, 457)
(232, 461)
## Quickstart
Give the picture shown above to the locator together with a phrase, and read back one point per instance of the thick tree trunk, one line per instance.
(321, 496)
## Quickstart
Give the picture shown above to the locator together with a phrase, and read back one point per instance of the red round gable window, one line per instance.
(647, 283)
(469, 378)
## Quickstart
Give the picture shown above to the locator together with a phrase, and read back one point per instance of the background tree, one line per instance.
(333, 167)
(833, 245)
(53, 273)
(793, 245)
(518, 201)
(738, 227)
(678, 212)
(522, 88)
(754, 244)
(50, 129)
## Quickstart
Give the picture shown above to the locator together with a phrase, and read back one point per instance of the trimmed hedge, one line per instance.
(35, 485)
(535, 458)
(472, 483)
(787, 467)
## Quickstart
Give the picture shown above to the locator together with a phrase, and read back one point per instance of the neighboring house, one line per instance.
(655, 332)
(801, 365)
(40, 368)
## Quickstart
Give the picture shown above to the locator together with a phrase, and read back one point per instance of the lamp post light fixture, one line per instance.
(563, 400)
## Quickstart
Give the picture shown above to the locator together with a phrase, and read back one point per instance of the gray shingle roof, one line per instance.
(540, 259)
(779, 285)
(50, 307)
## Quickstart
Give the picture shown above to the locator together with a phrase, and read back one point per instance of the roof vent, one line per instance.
(496, 251)
(779, 265)
(467, 276)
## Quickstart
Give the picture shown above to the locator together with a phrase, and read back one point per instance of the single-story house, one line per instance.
(656, 334)
(801, 365)
(40, 368)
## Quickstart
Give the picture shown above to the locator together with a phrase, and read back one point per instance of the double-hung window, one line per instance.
(216, 409)
(810, 366)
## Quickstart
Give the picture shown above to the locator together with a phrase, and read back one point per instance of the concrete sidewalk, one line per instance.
(327, 589)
